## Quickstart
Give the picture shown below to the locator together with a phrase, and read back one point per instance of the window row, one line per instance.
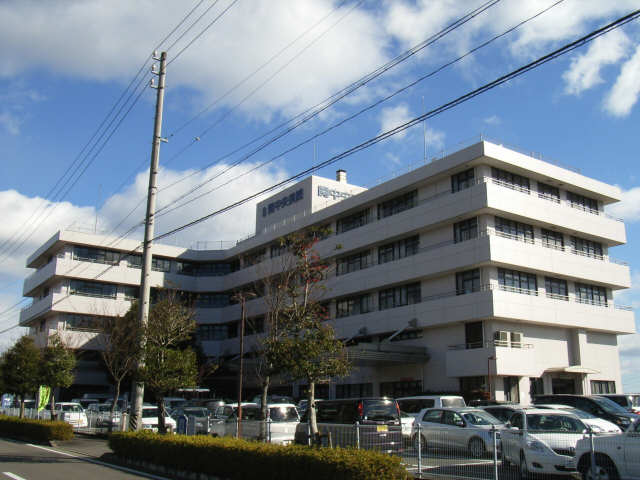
(388, 298)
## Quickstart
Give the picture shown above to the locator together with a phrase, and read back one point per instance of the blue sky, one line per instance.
(63, 65)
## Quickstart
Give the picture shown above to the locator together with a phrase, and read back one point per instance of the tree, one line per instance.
(120, 349)
(306, 347)
(168, 365)
(58, 363)
(21, 369)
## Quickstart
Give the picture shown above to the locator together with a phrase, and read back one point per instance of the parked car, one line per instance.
(542, 441)
(174, 402)
(617, 456)
(378, 419)
(71, 412)
(200, 415)
(466, 428)
(282, 417)
(599, 406)
(150, 419)
(414, 405)
(598, 425)
(628, 401)
(502, 412)
(100, 415)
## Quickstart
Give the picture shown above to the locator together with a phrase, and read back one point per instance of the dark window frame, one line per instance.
(462, 180)
(468, 281)
(465, 230)
(397, 204)
(517, 281)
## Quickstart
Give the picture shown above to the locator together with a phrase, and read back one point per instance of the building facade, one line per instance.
(484, 270)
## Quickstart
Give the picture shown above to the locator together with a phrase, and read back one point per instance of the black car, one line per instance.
(370, 423)
(601, 407)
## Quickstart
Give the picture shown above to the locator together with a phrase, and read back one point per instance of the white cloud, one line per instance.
(584, 71)
(628, 208)
(10, 122)
(392, 117)
(435, 139)
(625, 91)
(492, 120)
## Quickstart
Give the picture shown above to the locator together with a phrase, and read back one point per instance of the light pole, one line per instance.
(241, 297)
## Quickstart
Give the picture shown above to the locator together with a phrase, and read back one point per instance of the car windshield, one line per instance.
(149, 412)
(105, 408)
(608, 405)
(480, 417)
(196, 412)
(71, 408)
(283, 414)
(380, 410)
(554, 423)
(453, 402)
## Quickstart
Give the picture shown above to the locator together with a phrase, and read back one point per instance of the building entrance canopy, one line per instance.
(381, 354)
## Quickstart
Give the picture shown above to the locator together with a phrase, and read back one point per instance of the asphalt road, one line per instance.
(23, 461)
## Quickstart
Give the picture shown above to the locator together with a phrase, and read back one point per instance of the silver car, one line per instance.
(456, 428)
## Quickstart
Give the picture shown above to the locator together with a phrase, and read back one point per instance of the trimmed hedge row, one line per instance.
(40, 431)
(241, 459)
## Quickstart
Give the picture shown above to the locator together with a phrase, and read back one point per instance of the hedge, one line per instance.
(40, 431)
(241, 459)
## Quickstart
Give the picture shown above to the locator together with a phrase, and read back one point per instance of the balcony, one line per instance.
(498, 358)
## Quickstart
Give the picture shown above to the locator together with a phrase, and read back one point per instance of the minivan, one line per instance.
(599, 406)
(628, 401)
(378, 424)
(413, 405)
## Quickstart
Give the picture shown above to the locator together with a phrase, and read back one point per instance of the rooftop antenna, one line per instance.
(424, 132)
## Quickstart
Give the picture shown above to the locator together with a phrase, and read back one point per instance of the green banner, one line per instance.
(43, 397)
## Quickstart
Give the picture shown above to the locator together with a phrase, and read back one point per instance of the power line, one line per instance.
(400, 128)
(163, 210)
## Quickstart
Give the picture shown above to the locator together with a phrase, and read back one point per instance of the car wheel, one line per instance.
(605, 470)
(524, 469)
(477, 448)
(423, 442)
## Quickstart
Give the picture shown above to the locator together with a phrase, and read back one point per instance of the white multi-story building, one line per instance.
(485, 269)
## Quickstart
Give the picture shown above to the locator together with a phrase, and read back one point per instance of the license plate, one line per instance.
(382, 428)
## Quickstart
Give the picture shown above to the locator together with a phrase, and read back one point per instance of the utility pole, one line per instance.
(145, 286)
(242, 298)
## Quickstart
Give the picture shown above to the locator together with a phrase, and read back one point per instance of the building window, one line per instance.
(214, 269)
(398, 204)
(255, 257)
(96, 255)
(217, 331)
(536, 386)
(556, 288)
(519, 282)
(602, 386)
(92, 289)
(473, 386)
(278, 249)
(355, 305)
(399, 389)
(84, 323)
(583, 203)
(462, 180)
(510, 180)
(160, 264)
(400, 249)
(592, 294)
(548, 192)
(399, 296)
(131, 292)
(465, 230)
(254, 326)
(354, 390)
(552, 239)
(511, 229)
(212, 300)
(587, 248)
(186, 268)
(353, 263)
(468, 281)
(352, 221)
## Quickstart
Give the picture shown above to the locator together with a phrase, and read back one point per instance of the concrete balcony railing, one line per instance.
(495, 358)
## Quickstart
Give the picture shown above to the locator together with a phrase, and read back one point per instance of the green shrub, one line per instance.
(40, 431)
(241, 459)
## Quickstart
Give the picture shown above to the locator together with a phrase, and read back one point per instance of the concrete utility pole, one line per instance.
(242, 298)
(145, 286)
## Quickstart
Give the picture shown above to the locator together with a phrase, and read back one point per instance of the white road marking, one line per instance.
(13, 475)
(98, 462)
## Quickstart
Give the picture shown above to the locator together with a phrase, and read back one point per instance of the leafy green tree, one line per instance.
(58, 363)
(306, 347)
(168, 365)
(21, 369)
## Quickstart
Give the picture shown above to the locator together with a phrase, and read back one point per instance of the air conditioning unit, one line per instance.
(516, 339)
(501, 338)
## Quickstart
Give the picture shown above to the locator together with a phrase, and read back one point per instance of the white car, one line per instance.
(617, 456)
(150, 419)
(72, 413)
(542, 441)
(597, 424)
(283, 417)
(100, 415)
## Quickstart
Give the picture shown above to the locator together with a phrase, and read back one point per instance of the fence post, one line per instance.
(358, 435)
(494, 434)
(594, 472)
(269, 430)
(419, 445)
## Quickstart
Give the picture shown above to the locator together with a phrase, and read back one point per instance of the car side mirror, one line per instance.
(459, 424)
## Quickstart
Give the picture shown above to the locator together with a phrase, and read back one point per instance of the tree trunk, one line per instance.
(264, 407)
(52, 405)
(162, 412)
(21, 406)
(311, 417)
(114, 405)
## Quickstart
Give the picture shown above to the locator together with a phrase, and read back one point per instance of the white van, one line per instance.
(283, 418)
(413, 405)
